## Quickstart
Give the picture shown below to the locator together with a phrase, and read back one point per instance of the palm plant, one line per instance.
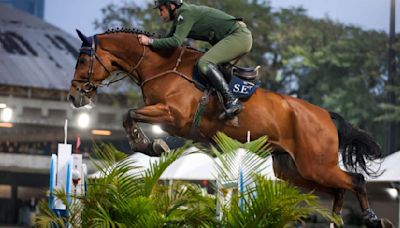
(263, 202)
(125, 197)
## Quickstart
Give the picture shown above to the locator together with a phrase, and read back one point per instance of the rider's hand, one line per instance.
(144, 40)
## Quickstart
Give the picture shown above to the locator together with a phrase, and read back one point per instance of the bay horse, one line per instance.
(304, 137)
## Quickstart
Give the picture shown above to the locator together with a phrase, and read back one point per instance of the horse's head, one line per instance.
(99, 57)
(92, 68)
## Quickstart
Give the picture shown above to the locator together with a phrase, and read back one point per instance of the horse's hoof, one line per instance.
(370, 219)
(340, 225)
(159, 147)
(386, 223)
(373, 223)
(379, 223)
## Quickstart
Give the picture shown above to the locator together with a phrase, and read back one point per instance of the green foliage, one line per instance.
(231, 157)
(124, 197)
(272, 204)
(391, 112)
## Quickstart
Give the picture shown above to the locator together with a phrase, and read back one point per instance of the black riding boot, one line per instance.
(232, 104)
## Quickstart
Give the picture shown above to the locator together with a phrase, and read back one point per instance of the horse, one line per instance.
(304, 137)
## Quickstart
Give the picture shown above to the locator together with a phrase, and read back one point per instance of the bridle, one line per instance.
(89, 85)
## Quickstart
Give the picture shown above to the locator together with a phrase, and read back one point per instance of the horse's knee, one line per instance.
(128, 117)
(125, 120)
(203, 64)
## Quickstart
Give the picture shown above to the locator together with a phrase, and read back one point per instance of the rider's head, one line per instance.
(167, 8)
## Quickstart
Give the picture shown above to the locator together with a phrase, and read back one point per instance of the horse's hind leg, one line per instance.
(338, 200)
(360, 190)
(334, 177)
(355, 182)
(285, 168)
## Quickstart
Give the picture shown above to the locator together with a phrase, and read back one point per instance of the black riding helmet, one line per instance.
(159, 3)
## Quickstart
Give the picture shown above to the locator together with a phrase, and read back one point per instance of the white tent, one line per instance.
(200, 166)
(192, 166)
(141, 163)
(391, 167)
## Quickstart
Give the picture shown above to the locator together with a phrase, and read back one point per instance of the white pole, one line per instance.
(240, 177)
(248, 136)
(65, 131)
(398, 207)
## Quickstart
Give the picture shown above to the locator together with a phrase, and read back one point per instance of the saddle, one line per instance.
(243, 81)
(247, 73)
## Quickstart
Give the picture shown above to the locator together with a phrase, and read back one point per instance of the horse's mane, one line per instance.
(131, 31)
(139, 31)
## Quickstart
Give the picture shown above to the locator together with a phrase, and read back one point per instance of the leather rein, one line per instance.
(89, 85)
(174, 70)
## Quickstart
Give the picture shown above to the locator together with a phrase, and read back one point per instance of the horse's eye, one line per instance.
(88, 86)
(80, 61)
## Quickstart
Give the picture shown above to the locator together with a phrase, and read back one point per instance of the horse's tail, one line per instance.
(356, 146)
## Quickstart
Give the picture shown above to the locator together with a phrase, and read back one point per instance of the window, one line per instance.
(5, 191)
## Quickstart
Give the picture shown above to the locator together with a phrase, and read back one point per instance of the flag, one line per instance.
(78, 143)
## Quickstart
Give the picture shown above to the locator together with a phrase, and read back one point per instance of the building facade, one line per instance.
(37, 62)
(34, 7)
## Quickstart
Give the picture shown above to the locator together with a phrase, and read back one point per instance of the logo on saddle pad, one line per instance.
(243, 88)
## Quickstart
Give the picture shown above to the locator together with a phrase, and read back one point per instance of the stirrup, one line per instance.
(231, 112)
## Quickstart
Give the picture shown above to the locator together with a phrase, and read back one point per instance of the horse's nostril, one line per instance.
(71, 98)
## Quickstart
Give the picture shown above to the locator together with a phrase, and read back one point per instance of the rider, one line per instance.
(228, 35)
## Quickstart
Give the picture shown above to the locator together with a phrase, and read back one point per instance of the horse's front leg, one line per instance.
(138, 140)
(158, 113)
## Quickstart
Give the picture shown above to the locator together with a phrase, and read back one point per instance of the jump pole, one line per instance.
(67, 172)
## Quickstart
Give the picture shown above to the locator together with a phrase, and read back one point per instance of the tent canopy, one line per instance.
(192, 166)
(391, 169)
(200, 166)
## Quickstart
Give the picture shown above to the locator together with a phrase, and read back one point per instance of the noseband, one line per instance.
(89, 85)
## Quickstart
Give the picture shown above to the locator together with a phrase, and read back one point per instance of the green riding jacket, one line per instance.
(199, 23)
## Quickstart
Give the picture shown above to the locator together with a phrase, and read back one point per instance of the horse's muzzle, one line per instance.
(72, 101)
(78, 101)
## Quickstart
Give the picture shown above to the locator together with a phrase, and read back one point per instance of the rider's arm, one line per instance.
(171, 31)
(183, 26)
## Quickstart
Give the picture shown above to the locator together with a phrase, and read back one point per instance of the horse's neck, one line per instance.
(126, 47)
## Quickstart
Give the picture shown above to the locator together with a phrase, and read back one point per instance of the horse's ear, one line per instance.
(86, 41)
